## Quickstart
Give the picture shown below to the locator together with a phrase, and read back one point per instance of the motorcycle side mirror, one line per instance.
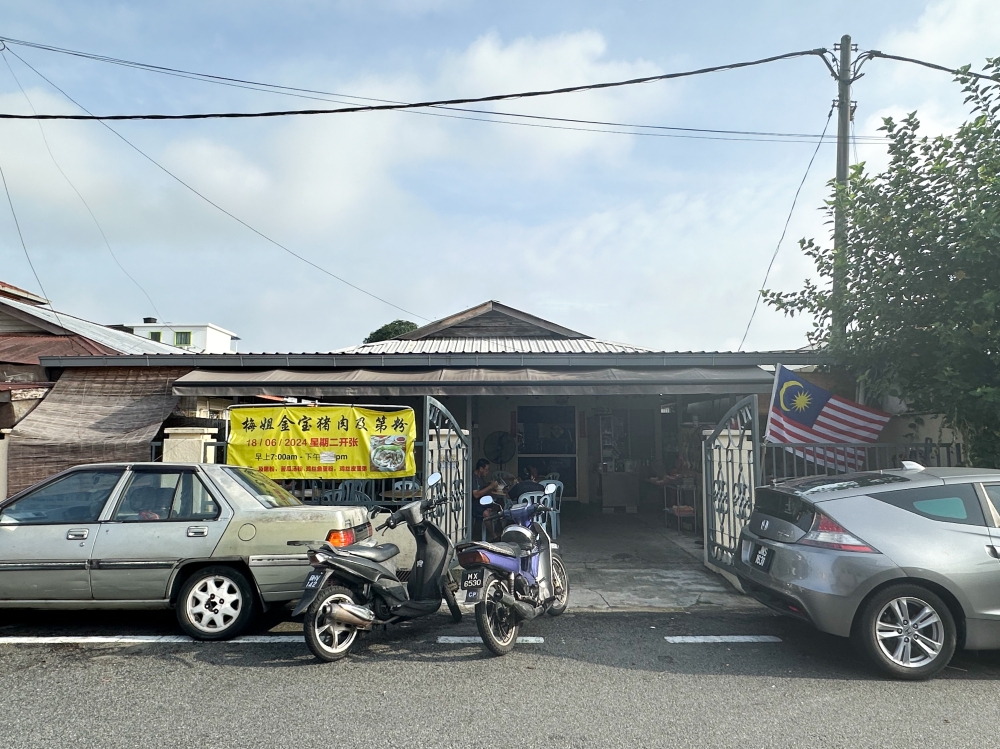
(550, 489)
(433, 479)
(373, 512)
(485, 501)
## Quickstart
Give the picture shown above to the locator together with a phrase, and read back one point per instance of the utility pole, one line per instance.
(844, 73)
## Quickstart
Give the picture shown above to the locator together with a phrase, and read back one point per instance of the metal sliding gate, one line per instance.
(735, 461)
(447, 451)
(730, 473)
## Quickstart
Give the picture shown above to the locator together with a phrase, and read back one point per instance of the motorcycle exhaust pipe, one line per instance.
(520, 608)
(348, 613)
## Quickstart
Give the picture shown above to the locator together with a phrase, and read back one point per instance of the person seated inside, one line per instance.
(530, 484)
(483, 486)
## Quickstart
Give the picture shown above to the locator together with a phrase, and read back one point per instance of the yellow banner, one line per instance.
(323, 442)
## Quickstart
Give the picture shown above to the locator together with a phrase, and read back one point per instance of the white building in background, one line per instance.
(200, 338)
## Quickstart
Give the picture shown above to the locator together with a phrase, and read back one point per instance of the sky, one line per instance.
(660, 242)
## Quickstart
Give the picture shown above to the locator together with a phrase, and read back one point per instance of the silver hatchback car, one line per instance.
(208, 540)
(906, 563)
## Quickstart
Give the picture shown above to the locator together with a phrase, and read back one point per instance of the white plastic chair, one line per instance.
(555, 504)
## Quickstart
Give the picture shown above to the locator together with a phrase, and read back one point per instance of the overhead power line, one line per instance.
(86, 205)
(422, 104)
(320, 95)
(875, 54)
(216, 205)
(784, 231)
(24, 247)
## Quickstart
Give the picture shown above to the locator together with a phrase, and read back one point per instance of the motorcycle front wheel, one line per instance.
(496, 623)
(329, 640)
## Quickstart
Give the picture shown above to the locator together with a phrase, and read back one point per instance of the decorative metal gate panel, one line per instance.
(730, 470)
(447, 451)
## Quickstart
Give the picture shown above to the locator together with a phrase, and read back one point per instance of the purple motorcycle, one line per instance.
(515, 579)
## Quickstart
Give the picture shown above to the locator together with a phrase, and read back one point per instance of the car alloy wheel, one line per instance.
(215, 603)
(906, 631)
(910, 632)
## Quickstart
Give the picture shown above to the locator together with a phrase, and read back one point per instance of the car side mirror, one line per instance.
(433, 479)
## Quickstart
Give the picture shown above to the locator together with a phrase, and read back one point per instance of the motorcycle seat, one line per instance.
(500, 547)
(379, 553)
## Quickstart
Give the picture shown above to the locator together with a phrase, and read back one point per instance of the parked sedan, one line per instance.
(210, 541)
(906, 563)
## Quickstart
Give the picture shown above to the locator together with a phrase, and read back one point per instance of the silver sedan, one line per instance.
(208, 540)
(906, 563)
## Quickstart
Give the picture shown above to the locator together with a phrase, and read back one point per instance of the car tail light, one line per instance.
(340, 538)
(827, 533)
(472, 558)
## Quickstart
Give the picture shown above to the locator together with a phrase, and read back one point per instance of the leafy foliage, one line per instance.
(921, 292)
(390, 330)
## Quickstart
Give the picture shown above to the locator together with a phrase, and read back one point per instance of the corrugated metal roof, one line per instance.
(25, 349)
(116, 340)
(493, 346)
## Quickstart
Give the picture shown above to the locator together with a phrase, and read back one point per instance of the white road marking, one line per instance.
(143, 639)
(722, 638)
(449, 640)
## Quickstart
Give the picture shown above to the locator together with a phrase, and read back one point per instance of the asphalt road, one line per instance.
(598, 680)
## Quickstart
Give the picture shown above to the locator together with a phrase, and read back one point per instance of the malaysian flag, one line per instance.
(804, 413)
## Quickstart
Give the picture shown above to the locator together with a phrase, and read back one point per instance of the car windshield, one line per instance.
(262, 488)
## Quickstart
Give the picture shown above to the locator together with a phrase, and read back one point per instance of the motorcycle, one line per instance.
(516, 579)
(352, 588)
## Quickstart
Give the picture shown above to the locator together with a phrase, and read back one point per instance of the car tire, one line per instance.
(906, 631)
(199, 611)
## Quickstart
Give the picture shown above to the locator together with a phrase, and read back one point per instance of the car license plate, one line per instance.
(761, 556)
(313, 580)
(472, 579)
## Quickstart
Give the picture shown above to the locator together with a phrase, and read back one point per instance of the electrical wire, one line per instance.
(875, 54)
(24, 247)
(784, 231)
(422, 104)
(216, 205)
(79, 195)
(319, 95)
(854, 142)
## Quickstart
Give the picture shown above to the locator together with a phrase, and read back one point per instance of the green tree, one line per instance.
(390, 330)
(922, 288)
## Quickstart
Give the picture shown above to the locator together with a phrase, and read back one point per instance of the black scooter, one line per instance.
(351, 588)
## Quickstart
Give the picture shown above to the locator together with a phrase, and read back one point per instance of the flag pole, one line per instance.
(770, 403)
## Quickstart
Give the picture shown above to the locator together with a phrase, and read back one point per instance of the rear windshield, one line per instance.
(260, 487)
(783, 506)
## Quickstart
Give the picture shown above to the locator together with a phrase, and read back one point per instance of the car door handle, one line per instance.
(77, 534)
(197, 531)
(993, 551)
